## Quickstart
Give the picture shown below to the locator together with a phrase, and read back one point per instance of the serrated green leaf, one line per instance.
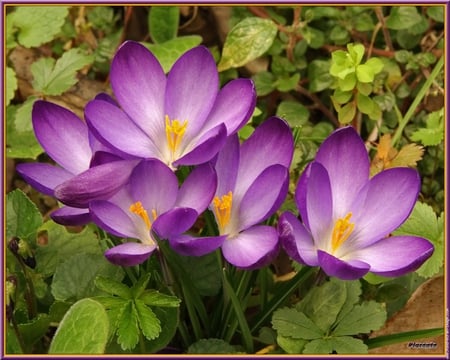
(402, 17)
(83, 330)
(155, 298)
(168, 52)
(59, 245)
(433, 134)
(22, 216)
(54, 79)
(163, 23)
(113, 287)
(295, 324)
(74, 278)
(293, 112)
(290, 345)
(169, 323)
(140, 285)
(211, 346)
(148, 322)
(128, 330)
(347, 113)
(362, 319)
(11, 85)
(339, 345)
(353, 291)
(246, 41)
(38, 24)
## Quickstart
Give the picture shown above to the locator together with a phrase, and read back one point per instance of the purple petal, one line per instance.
(174, 222)
(206, 148)
(115, 220)
(129, 254)
(227, 165)
(396, 255)
(139, 83)
(62, 135)
(319, 204)
(195, 246)
(106, 97)
(198, 189)
(97, 183)
(345, 270)
(271, 143)
(67, 215)
(250, 246)
(234, 105)
(154, 185)
(300, 194)
(383, 205)
(345, 158)
(43, 177)
(103, 157)
(263, 195)
(192, 87)
(296, 240)
(111, 125)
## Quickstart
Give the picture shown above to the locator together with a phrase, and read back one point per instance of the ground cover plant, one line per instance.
(221, 179)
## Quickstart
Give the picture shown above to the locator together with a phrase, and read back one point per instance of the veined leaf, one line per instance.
(295, 324)
(148, 322)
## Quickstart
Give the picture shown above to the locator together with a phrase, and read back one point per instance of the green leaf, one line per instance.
(54, 78)
(83, 330)
(353, 290)
(342, 97)
(155, 298)
(211, 346)
(433, 134)
(128, 331)
(39, 24)
(340, 345)
(364, 88)
(366, 72)
(163, 23)
(168, 52)
(348, 83)
(364, 103)
(140, 285)
(314, 37)
(34, 330)
(74, 278)
(436, 13)
(402, 17)
(319, 75)
(246, 41)
(323, 304)
(356, 52)
(148, 322)
(169, 323)
(347, 113)
(11, 85)
(264, 83)
(22, 120)
(423, 222)
(295, 324)
(290, 345)
(285, 84)
(57, 245)
(22, 216)
(113, 287)
(293, 112)
(362, 319)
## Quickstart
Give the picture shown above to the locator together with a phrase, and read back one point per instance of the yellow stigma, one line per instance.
(222, 209)
(139, 210)
(341, 231)
(174, 133)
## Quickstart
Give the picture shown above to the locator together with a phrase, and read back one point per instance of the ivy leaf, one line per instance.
(340, 345)
(423, 222)
(246, 41)
(211, 346)
(83, 330)
(362, 319)
(11, 85)
(38, 24)
(148, 322)
(128, 331)
(22, 216)
(295, 324)
(433, 134)
(163, 23)
(53, 78)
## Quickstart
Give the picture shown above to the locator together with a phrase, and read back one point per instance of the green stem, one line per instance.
(404, 336)
(423, 90)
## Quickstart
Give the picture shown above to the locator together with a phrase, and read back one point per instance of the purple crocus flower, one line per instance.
(347, 217)
(152, 204)
(80, 159)
(181, 119)
(253, 180)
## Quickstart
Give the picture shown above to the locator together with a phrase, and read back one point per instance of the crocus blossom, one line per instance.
(152, 206)
(67, 140)
(181, 118)
(252, 183)
(346, 217)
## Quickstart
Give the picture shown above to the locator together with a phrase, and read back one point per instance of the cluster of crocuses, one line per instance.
(119, 170)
